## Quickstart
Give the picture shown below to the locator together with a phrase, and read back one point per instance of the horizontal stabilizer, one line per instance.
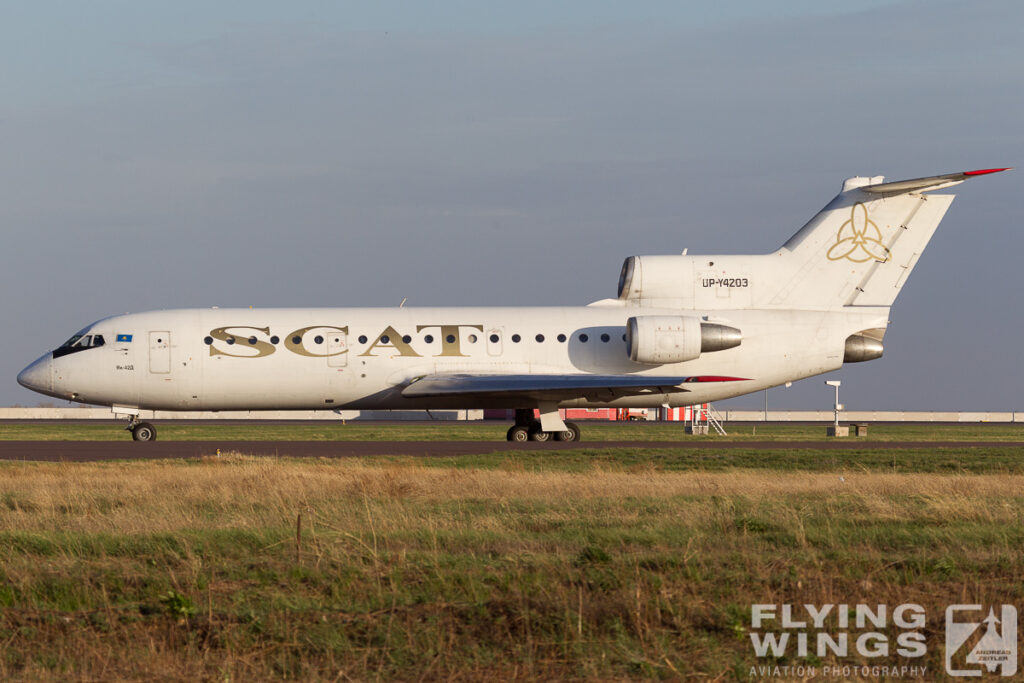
(934, 182)
(550, 386)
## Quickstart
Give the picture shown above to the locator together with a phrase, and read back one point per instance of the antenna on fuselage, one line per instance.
(404, 299)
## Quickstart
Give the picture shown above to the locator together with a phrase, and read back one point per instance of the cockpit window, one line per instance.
(79, 342)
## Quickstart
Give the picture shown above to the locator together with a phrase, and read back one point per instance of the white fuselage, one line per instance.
(700, 328)
(361, 358)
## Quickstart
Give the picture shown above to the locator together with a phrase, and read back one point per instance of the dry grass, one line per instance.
(236, 491)
(347, 569)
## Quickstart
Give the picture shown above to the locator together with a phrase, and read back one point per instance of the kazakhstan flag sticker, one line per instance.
(124, 337)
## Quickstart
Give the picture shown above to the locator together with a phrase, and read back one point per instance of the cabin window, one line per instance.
(275, 339)
(561, 337)
(362, 339)
(516, 338)
(429, 338)
(605, 338)
(494, 338)
(584, 338)
(539, 338)
(207, 340)
(406, 338)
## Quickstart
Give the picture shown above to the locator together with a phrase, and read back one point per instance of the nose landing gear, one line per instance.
(141, 431)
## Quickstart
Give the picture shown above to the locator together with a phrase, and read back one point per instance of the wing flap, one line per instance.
(550, 386)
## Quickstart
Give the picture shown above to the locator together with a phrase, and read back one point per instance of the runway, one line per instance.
(86, 451)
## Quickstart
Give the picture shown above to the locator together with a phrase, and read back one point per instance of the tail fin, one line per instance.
(859, 250)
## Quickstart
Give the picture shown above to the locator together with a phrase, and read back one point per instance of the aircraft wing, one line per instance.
(551, 386)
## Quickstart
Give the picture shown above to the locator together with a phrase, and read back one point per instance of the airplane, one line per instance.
(684, 330)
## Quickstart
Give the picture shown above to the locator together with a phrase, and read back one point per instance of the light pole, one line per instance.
(787, 385)
(834, 383)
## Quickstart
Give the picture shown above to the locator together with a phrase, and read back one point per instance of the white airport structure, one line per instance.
(684, 330)
(726, 416)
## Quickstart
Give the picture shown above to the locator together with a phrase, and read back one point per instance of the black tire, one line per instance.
(144, 431)
(518, 434)
(572, 433)
(538, 434)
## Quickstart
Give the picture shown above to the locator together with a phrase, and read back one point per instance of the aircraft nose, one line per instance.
(39, 375)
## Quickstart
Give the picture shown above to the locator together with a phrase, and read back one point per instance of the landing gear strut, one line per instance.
(141, 431)
(527, 428)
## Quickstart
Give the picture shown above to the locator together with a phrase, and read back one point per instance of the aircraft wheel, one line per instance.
(572, 433)
(518, 434)
(538, 434)
(144, 431)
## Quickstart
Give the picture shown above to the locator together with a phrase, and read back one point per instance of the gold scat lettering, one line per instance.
(299, 346)
(240, 336)
(394, 341)
(450, 342)
(240, 345)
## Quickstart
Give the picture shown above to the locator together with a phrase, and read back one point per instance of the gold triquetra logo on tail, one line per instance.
(859, 239)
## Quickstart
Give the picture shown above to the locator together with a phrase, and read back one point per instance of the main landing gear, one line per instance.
(141, 431)
(527, 428)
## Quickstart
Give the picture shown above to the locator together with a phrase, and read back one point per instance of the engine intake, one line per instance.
(646, 278)
(662, 339)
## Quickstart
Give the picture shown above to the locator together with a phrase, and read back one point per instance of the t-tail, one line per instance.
(857, 252)
(861, 248)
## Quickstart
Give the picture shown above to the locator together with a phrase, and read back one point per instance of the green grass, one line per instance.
(591, 564)
(495, 431)
(987, 459)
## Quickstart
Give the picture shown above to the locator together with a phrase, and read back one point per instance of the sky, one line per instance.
(263, 154)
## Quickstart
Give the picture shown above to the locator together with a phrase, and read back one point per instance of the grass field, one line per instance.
(494, 431)
(609, 564)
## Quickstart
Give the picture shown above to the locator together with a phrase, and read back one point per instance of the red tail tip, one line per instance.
(986, 171)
